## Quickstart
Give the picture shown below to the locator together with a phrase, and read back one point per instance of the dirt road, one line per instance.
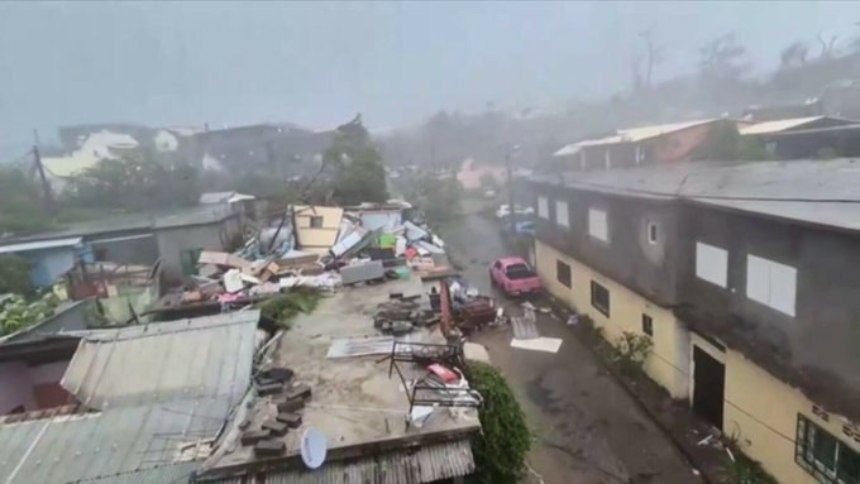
(587, 429)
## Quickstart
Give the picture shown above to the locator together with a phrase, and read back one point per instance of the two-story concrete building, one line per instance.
(745, 278)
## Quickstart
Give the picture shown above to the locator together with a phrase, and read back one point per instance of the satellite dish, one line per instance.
(313, 447)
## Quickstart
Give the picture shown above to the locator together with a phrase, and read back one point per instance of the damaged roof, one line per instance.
(633, 135)
(205, 357)
(128, 444)
(159, 392)
(821, 192)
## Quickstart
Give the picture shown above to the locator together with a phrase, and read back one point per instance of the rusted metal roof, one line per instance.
(190, 358)
(427, 463)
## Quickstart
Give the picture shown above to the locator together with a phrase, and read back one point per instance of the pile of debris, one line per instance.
(401, 315)
(319, 247)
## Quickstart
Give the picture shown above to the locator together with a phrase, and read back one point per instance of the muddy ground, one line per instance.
(587, 429)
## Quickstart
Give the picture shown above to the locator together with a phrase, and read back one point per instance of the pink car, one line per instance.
(514, 276)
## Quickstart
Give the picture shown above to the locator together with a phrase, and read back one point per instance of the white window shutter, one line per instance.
(712, 264)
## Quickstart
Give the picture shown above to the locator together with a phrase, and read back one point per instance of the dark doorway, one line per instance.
(709, 383)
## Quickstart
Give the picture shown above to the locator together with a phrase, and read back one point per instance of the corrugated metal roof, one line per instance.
(427, 463)
(40, 245)
(632, 135)
(191, 358)
(646, 132)
(130, 444)
(778, 125)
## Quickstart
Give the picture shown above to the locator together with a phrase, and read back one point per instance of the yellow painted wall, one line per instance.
(764, 412)
(759, 409)
(669, 359)
(761, 412)
(317, 239)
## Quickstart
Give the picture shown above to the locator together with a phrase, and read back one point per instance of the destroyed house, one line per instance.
(176, 238)
(147, 402)
(743, 277)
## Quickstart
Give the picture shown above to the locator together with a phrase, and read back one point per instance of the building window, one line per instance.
(543, 207)
(652, 233)
(824, 456)
(712, 264)
(600, 298)
(647, 325)
(562, 217)
(771, 283)
(562, 273)
(598, 225)
(316, 221)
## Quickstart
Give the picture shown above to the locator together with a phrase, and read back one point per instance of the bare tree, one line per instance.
(654, 55)
(793, 55)
(723, 59)
(826, 46)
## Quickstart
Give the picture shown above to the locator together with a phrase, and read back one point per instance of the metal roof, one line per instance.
(822, 192)
(768, 127)
(40, 245)
(148, 443)
(427, 463)
(193, 358)
(632, 135)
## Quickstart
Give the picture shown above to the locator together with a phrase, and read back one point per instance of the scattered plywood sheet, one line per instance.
(549, 345)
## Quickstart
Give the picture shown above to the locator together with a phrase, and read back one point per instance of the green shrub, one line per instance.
(282, 308)
(500, 450)
(631, 351)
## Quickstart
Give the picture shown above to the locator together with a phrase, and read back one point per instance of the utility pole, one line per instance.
(511, 210)
(46, 187)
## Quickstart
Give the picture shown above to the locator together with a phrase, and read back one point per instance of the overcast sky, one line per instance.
(317, 64)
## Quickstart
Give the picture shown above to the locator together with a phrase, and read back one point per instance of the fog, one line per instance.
(317, 64)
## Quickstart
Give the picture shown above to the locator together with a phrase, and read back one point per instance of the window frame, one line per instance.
(542, 207)
(313, 218)
(804, 452)
(566, 219)
(776, 276)
(592, 214)
(652, 227)
(603, 310)
(648, 324)
(558, 265)
(723, 279)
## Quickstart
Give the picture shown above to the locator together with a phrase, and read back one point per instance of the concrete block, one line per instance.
(361, 273)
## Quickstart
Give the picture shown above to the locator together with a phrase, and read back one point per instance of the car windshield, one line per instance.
(519, 271)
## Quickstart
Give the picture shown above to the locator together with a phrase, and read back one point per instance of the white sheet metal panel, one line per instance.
(159, 362)
(712, 264)
(772, 284)
(543, 207)
(598, 225)
(40, 245)
(562, 217)
(758, 279)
